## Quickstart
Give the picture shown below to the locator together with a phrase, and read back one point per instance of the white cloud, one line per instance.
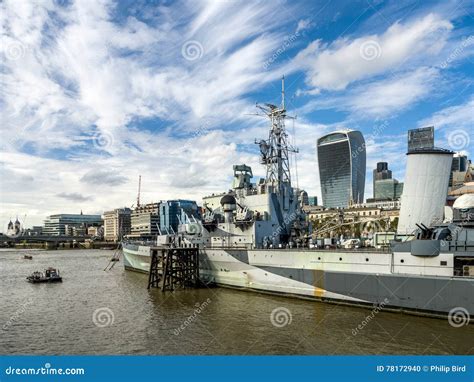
(79, 81)
(70, 74)
(393, 94)
(303, 25)
(344, 61)
(382, 98)
(459, 116)
(456, 125)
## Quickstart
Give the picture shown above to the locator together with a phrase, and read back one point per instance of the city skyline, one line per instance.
(95, 94)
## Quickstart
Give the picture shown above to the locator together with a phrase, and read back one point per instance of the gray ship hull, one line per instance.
(246, 269)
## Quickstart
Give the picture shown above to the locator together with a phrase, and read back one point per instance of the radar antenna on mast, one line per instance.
(283, 92)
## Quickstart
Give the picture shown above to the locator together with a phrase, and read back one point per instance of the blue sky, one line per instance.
(95, 93)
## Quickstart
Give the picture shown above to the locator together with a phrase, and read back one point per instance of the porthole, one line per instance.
(340, 259)
(402, 261)
(443, 263)
(319, 258)
(366, 259)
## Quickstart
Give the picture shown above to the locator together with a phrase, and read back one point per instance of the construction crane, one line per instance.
(139, 189)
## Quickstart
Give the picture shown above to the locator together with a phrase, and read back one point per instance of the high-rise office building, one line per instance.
(117, 224)
(175, 212)
(458, 172)
(70, 224)
(304, 199)
(381, 172)
(341, 158)
(145, 220)
(384, 186)
(422, 138)
(388, 189)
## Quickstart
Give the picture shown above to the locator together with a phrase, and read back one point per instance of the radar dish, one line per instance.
(465, 201)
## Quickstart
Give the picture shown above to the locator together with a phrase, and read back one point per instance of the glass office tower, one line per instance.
(341, 157)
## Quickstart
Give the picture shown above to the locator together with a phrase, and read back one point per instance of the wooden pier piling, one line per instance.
(172, 268)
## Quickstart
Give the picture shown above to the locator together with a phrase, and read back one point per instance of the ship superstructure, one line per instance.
(266, 214)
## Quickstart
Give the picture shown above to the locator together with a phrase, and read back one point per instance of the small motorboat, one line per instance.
(28, 257)
(50, 275)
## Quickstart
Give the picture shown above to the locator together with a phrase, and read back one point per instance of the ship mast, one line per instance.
(275, 150)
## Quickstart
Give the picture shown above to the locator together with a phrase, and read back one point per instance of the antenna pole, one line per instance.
(283, 92)
(139, 189)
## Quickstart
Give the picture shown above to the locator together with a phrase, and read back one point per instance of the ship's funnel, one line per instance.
(425, 189)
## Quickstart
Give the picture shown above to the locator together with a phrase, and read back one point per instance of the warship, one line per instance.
(255, 237)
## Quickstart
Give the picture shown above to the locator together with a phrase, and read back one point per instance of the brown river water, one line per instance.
(111, 312)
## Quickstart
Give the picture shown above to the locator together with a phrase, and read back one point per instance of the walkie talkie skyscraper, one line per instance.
(341, 158)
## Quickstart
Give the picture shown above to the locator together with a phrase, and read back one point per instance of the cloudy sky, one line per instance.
(94, 93)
